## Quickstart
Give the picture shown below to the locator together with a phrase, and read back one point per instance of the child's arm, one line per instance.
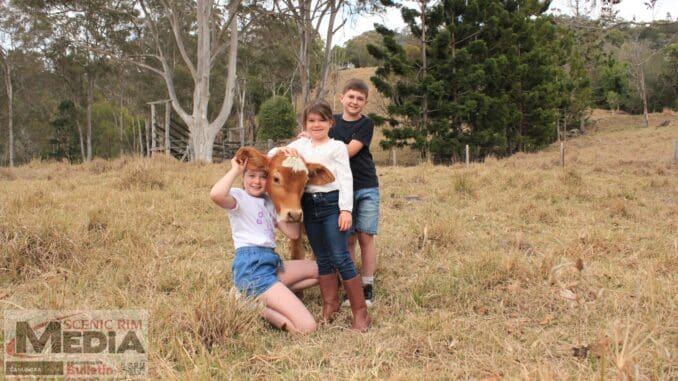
(362, 138)
(220, 191)
(291, 230)
(353, 147)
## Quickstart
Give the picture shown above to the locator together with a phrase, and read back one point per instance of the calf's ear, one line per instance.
(318, 174)
(255, 159)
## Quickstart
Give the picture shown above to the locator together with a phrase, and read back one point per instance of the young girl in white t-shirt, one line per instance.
(327, 213)
(257, 270)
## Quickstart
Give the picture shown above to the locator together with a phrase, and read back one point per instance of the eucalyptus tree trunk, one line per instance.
(202, 131)
(82, 140)
(639, 56)
(122, 118)
(304, 23)
(424, 44)
(10, 108)
(308, 16)
(643, 93)
(241, 111)
(90, 101)
(333, 7)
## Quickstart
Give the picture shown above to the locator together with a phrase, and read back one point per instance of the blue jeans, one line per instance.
(329, 244)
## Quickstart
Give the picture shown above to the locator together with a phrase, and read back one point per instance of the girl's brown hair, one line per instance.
(257, 163)
(319, 107)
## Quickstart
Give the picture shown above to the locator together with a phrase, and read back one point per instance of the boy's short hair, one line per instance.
(356, 84)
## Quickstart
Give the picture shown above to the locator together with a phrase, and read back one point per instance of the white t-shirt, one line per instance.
(334, 156)
(252, 220)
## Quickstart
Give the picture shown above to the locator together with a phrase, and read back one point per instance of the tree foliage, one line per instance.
(489, 82)
(355, 50)
(276, 119)
(64, 140)
(499, 75)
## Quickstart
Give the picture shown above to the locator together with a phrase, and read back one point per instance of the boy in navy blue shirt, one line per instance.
(356, 131)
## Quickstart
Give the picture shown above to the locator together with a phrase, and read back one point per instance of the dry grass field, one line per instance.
(508, 269)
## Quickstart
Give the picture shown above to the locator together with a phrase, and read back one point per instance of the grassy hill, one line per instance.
(376, 104)
(513, 268)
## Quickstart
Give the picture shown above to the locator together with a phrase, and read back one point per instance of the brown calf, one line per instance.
(287, 178)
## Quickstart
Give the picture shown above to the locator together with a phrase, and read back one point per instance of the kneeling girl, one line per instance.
(257, 270)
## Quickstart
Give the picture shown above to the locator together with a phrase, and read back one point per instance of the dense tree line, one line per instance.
(500, 76)
(505, 76)
(214, 61)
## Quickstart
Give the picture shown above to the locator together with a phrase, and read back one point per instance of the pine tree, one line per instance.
(64, 139)
(487, 78)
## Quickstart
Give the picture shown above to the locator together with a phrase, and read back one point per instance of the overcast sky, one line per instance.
(627, 10)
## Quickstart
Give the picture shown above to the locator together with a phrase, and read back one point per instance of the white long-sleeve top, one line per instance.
(334, 156)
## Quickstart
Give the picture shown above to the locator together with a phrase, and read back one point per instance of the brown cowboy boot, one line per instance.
(354, 291)
(329, 290)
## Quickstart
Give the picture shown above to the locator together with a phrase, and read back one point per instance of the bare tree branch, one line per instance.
(230, 79)
(176, 30)
(221, 47)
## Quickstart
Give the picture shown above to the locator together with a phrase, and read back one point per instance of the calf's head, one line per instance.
(287, 178)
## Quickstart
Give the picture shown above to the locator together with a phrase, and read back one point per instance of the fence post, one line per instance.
(558, 125)
(168, 143)
(394, 160)
(562, 154)
(141, 140)
(147, 124)
(468, 159)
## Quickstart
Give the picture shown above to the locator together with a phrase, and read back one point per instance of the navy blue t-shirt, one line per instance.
(362, 164)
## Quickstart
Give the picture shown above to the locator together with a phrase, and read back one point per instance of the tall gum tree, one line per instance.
(8, 27)
(316, 18)
(309, 16)
(7, 66)
(213, 30)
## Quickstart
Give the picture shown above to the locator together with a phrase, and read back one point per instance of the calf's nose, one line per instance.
(294, 216)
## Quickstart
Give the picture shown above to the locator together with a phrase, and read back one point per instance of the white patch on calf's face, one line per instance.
(295, 163)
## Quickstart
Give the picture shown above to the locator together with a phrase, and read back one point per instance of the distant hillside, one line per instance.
(336, 83)
(376, 104)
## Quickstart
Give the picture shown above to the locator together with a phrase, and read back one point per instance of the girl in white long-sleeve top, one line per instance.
(327, 213)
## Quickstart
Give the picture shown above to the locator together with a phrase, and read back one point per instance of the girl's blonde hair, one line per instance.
(319, 107)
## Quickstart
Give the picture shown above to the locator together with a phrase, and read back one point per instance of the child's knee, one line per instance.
(306, 325)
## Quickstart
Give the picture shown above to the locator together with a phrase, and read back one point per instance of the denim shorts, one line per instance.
(365, 211)
(255, 269)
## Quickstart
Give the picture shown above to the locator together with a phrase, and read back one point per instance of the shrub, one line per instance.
(276, 119)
